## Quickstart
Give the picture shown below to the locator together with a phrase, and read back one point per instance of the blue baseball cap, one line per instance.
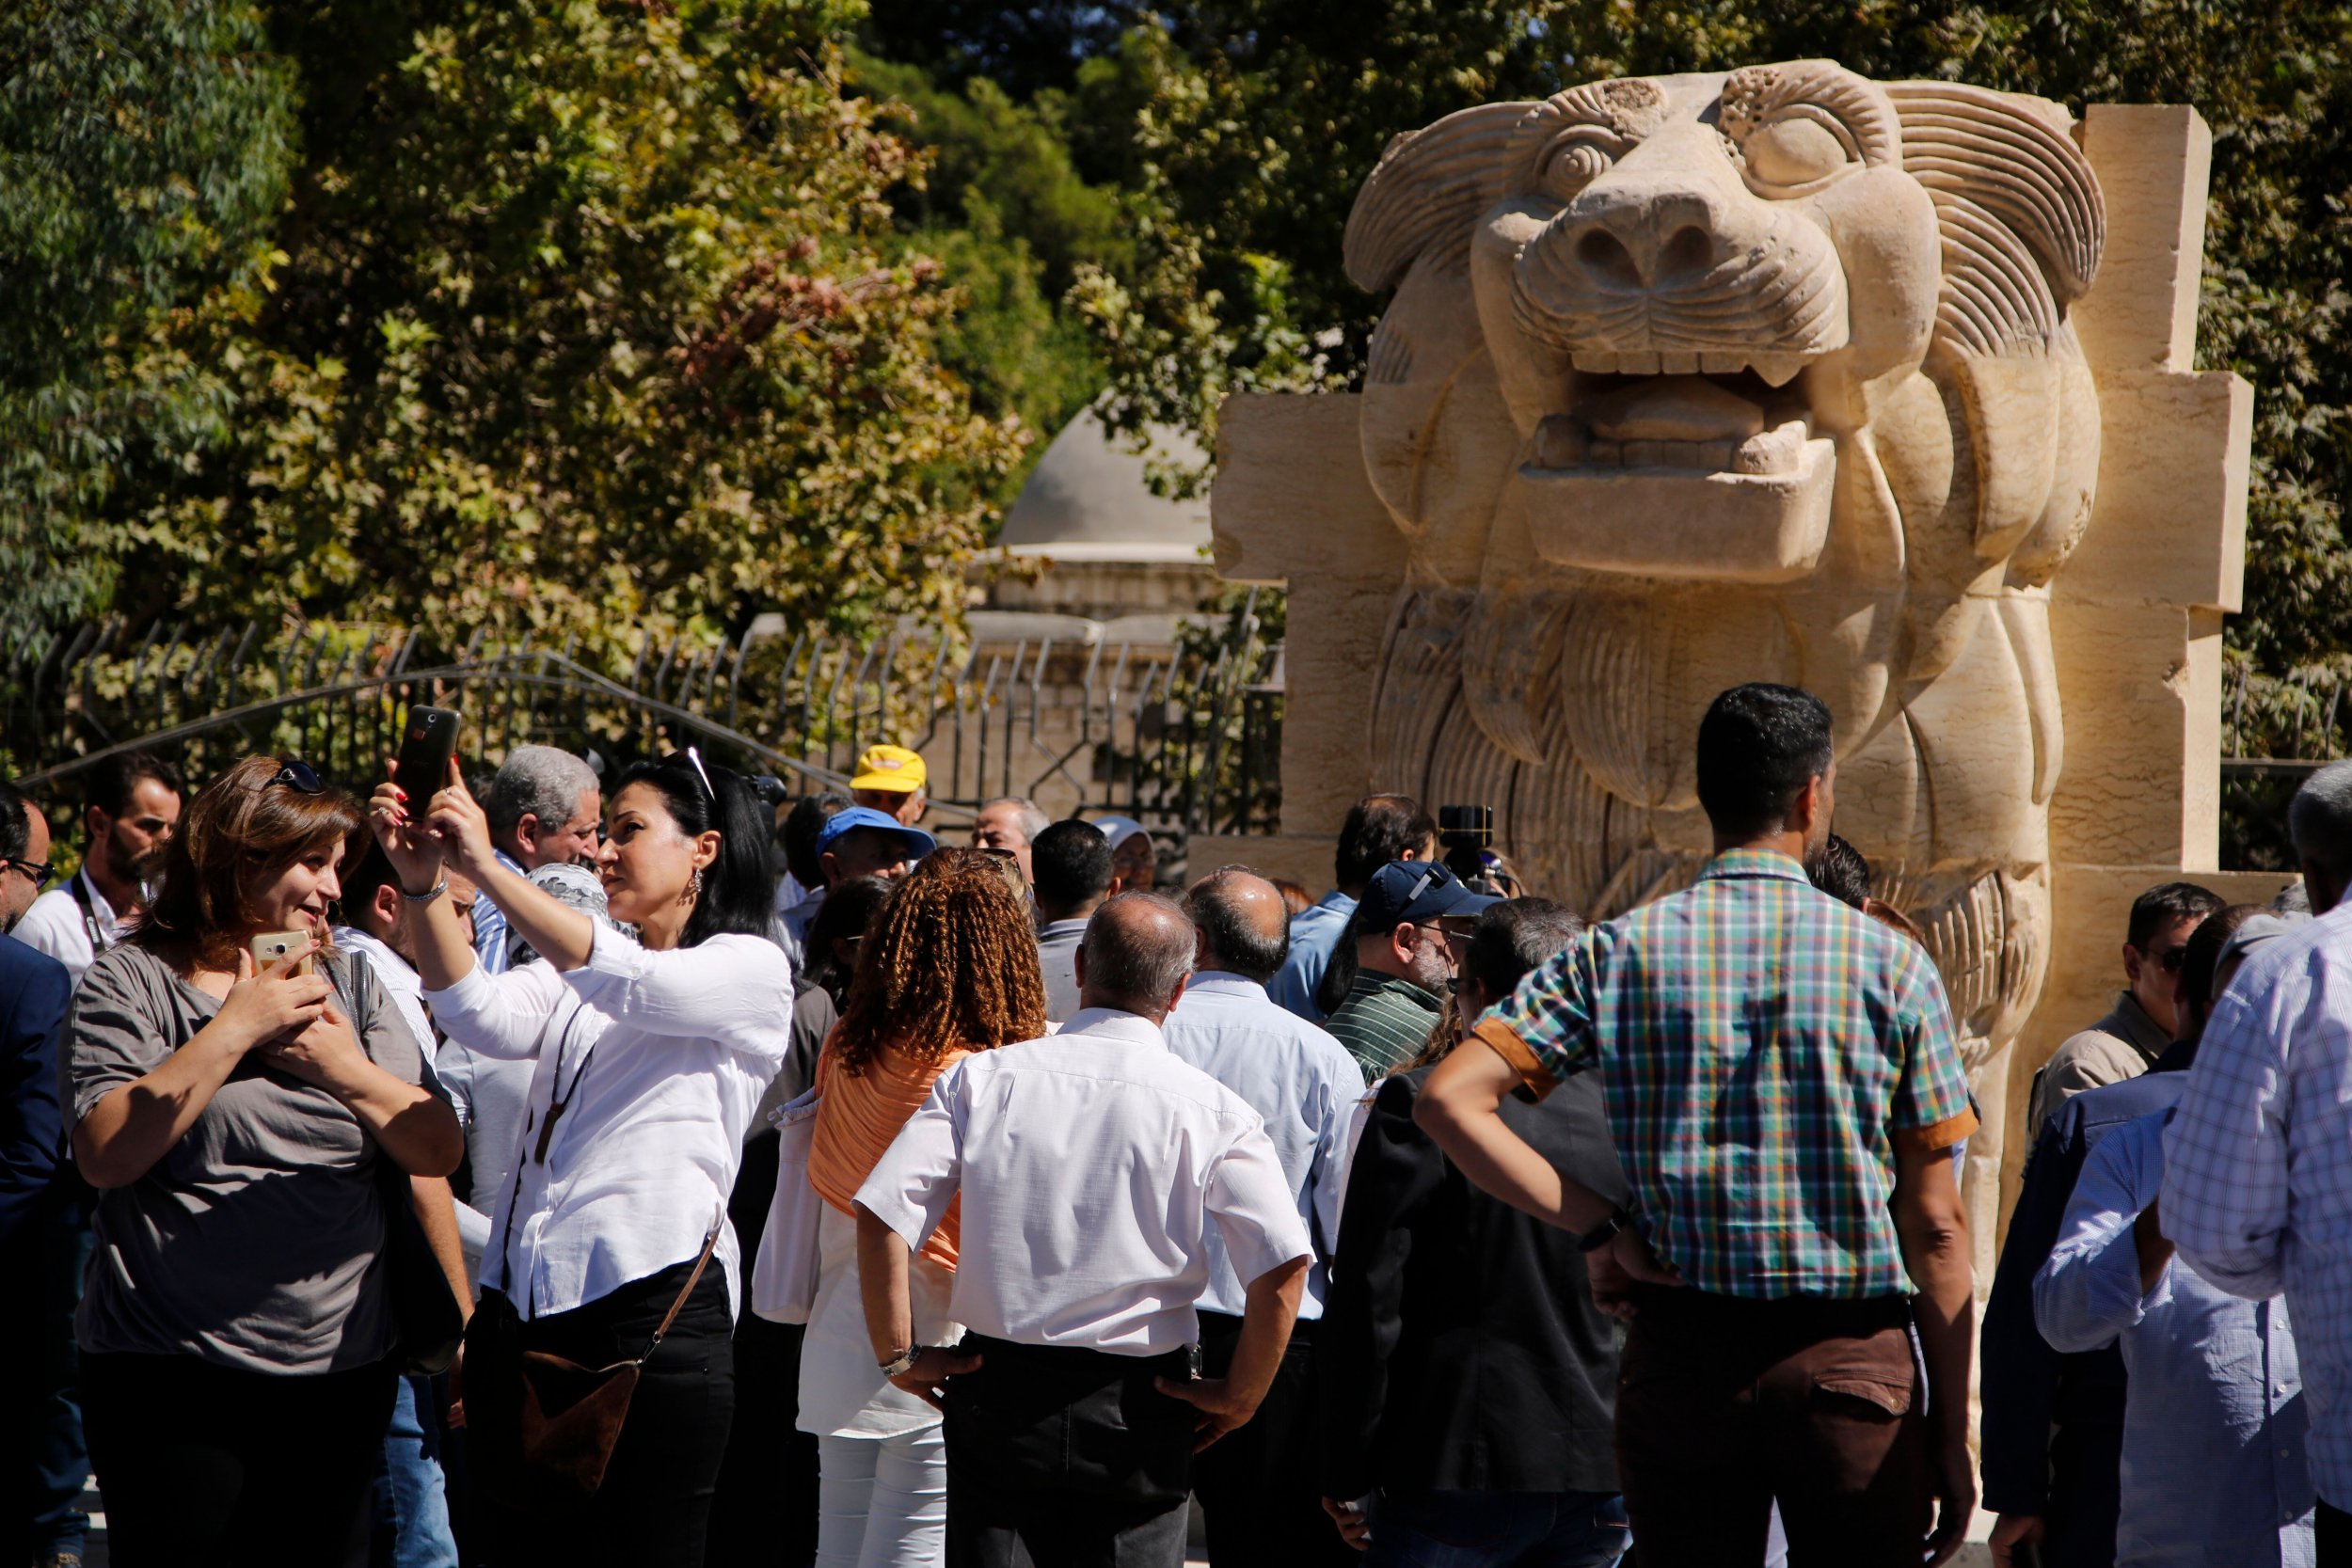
(1415, 892)
(917, 842)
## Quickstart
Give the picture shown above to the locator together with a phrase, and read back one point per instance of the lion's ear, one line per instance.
(2019, 208)
(1427, 192)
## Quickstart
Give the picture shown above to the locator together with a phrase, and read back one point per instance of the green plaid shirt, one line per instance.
(1763, 1049)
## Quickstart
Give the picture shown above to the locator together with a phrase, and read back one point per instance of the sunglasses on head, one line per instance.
(298, 776)
(692, 757)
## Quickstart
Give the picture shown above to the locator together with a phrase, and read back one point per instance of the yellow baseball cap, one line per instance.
(892, 767)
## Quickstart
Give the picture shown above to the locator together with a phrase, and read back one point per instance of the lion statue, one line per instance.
(1694, 380)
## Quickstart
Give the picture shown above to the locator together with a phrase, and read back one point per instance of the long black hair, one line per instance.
(739, 887)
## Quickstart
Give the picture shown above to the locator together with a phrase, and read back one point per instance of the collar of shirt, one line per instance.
(1372, 983)
(1062, 929)
(1755, 863)
(1224, 982)
(109, 924)
(1112, 1023)
(510, 863)
(2129, 1022)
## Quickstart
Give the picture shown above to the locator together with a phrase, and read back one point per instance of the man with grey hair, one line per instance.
(1091, 1164)
(1010, 824)
(2257, 1185)
(1259, 1487)
(544, 807)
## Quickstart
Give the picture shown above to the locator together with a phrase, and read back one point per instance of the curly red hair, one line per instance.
(950, 962)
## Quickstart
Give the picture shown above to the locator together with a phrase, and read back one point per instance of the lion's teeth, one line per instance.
(1637, 364)
(1679, 364)
(1559, 442)
(1775, 451)
(1722, 364)
(1778, 370)
(1592, 362)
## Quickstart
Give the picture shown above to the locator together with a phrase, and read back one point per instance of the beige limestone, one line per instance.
(1884, 389)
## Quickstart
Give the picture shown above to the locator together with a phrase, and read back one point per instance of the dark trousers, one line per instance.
(2086, 1495)
(1725, 1404)
(654, 1507)
(39, 1402)
(2332, 1529)
(1065, 1458)
(1257, 1484)
(202, 1465)
(766, 1508)
(1497, 1530)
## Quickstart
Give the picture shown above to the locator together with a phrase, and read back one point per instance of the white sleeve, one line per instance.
(1252, 1203)
(736, 990)
(498, 1015)
(2225, 1179)
(909, 1189)
(2089, 1291)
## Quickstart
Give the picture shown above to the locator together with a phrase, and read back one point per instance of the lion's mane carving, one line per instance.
(1700, 379)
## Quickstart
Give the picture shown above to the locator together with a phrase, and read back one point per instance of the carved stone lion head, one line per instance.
(1693, 380)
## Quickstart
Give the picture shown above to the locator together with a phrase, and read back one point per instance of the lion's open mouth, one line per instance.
(1682, 464)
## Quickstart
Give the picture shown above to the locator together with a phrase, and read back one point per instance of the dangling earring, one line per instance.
(694, 887)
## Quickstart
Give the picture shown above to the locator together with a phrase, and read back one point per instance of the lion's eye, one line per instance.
(1572, 167)
(1793, 152)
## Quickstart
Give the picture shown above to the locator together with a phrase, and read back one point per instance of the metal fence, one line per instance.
(2277, 731)
(1184, 736)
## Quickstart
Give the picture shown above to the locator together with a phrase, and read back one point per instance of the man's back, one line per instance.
(1762, 1046)
(1299, 1081)
(1090, 1164)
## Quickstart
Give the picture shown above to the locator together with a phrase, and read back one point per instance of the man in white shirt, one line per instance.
(1090, 1164)
(132, 803)
(1259, 1487)
(1072, 866)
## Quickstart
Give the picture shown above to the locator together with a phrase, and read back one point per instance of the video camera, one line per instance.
(1467, 834)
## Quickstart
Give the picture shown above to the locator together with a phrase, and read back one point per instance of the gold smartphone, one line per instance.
(273, 946)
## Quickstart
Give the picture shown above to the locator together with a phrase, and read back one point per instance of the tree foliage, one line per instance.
(143, 147)
(1249, 124)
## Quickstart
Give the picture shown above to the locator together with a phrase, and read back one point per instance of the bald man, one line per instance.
(1258, 1488)
(1093, 1166)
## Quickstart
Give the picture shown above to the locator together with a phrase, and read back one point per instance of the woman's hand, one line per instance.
(455, 821)
(274, 1004)
(415, 854)
(326, 1055)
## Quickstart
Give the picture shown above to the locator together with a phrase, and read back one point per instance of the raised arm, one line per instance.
(1460, 1108)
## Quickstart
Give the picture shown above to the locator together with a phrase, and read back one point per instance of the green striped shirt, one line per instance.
(1384, 1022)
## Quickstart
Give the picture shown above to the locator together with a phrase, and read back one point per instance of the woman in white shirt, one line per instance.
(649, 1061)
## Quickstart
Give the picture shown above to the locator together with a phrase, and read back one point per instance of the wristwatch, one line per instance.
(1603, 1233)
(905, 1363)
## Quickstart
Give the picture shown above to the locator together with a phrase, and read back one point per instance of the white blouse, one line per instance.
(659, 1060)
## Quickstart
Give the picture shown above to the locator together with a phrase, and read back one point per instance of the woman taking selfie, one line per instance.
(650, 1056)
(235, 1327)
(949, 967)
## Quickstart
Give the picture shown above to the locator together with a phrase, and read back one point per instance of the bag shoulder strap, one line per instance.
(710, 1241)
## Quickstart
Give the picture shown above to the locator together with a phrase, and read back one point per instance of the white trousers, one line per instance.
(882, 1502)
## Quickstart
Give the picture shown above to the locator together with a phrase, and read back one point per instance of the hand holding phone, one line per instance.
(428, 740)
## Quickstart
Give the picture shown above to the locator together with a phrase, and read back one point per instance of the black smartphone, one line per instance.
(428, 740)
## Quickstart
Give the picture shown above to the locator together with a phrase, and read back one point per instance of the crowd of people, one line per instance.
(648, 1169)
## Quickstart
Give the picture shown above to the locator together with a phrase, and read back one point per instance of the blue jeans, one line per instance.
(1498, 1529)
(411, 1496)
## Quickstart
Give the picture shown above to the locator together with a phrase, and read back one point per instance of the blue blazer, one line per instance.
(34, 990)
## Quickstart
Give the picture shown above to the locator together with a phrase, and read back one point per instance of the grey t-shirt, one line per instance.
(254, 1243)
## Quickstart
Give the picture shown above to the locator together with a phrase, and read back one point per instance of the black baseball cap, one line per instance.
(1414, 892)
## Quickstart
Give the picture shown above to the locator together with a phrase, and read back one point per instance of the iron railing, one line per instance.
(1184, 737)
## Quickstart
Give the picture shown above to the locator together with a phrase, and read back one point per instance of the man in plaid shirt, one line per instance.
(1784, 1089)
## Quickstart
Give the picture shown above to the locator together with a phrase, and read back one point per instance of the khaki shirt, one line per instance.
(2122, 1045)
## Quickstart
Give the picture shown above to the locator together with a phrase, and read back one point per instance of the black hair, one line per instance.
(1759, 746)
(1228, 937)
(802, 824)
(1380, 829)
(2165, 903)
(365, 874)
(16, 822)
(1840, 871)
(109, 785)
(2201, 953)
(1071, 863)
(738, 893)
(849, 911)
(1512, 939)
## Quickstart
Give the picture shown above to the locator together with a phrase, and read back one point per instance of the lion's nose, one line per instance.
(1647, 239)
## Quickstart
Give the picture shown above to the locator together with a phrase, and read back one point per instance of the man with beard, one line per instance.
(1403, 964)
(131, 805)
(1784, 1089)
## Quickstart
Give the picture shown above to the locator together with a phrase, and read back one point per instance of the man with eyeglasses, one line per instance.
(131, 805)
(1402, 963)
(2143, 1026)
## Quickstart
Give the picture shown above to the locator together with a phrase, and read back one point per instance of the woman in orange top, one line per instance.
(950, 967)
